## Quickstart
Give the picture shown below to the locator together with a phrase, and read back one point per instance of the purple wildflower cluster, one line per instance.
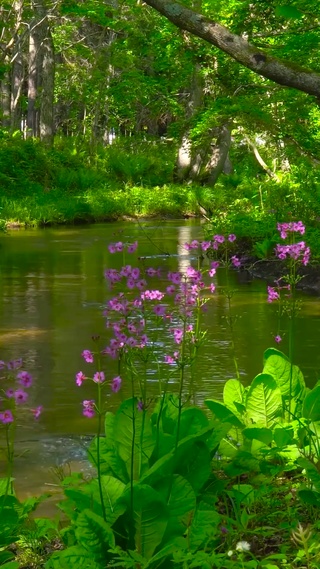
(214, 245)
(89, 406)
(297, 251)
(11, 373)
(119, 246)
(128, 313)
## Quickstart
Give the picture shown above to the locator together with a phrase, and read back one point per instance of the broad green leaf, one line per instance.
(310, 497)
(75, 557)
(133, 441)
(311, 472)
(264, 402)
(110, 462)
(288, 377)
(181, 502)
(218, 434)
(243, 494)
(94, 534)
(169, 463)
(86, 497)
(283, 436)
(11, 565)
(289, 12)
(233, 392)
(195, 465)
(112, 489)
(221, 412)
(150, 517)
(192, 421)
(262, 434)
(311, 405)
(204, 526)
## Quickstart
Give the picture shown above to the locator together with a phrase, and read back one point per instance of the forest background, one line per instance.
(109, 109)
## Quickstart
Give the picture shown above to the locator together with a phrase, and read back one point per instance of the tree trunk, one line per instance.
(17, 75)
(259, 61)
(40, 76)
(47, 87)
(187, 161)
(5, 99)
(219, 153)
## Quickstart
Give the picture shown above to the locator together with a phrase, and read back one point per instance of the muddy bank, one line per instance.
(271, 270)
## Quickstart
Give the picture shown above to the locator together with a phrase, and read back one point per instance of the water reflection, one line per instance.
(52, 291)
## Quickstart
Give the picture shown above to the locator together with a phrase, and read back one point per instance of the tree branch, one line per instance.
(281, 72)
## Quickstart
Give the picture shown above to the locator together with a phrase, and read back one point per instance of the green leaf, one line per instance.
(132, 434)
(75, 557)
(150, 517)
(11, 565)
(283, 436)
(112, 489)
(288, 377)
(204, 526)
(195, 465)
(222, 413)
(311, 405)
(192, 421)
(181, 502)
(233, 392)
(289, 12)
(264, 402)
(94, 534)
(261, 434)
(310, 497)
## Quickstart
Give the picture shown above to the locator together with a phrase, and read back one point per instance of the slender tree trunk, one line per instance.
(17, 75)
(187, 163)
(47, 87)
(41, 76)
(33, 78)
(5, 100)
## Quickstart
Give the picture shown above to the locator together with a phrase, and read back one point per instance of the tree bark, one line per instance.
(219, 154)
(259, 61)
(187, 162)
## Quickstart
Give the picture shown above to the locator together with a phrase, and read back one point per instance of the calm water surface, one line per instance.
(52, 293)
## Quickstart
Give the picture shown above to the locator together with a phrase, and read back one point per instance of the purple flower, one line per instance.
(169, 360)
(116, 384)
(99, 377)
(119, 246)
(219, 239)
(2, 364)
(37, 411)
(272, 294)
(235, 261)
(214, 264)
(88, 408)
(278, 339)
(20, 396)
(159, 310)
(25, 378)
(140, 405)
(14, 364)
(10, 392)
(80, 377)
(132, 247)
(212, 287)
(178, 335)
(232, 237)
(205, 245)
(88, 356)
(6, 417)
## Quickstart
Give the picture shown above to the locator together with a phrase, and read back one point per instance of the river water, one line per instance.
(52, 293)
